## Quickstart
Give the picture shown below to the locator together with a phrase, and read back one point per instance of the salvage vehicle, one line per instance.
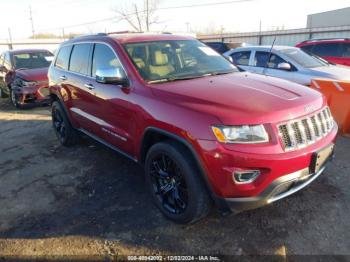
(290, 63)
(203, 131)
(334, 50)
(23, 76)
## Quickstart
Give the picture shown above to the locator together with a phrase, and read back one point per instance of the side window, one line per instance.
(307, 48)
(104, 58)
(241, 58)
(79, 60)
(327, 49)
(62, 59)
(346, 50)
(261, 58)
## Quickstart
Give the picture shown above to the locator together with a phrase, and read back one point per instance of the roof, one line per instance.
(266, 47)
(25, 51)
(339, 39)
(132, 37)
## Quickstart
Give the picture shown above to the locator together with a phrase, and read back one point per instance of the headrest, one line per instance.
(159, 58)
(139, 62)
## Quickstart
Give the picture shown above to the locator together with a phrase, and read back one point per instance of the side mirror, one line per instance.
(111, 76)
(284, 66)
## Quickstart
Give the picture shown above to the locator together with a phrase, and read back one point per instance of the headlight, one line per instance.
(246, 134)
(19, 82)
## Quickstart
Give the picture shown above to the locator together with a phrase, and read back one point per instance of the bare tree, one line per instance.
(139, 16)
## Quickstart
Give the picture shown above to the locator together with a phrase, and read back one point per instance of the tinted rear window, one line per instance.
(62, 60)
(327, 49)
(79, 60)
(307, 48)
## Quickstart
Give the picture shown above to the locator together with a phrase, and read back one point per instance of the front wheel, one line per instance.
(14, 99)
(64, 131)
(175, 184)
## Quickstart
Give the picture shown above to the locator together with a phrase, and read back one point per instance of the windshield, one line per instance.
(163, 61)
(32, 60)
(303, 58)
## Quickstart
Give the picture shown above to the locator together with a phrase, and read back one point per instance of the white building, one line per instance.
(339, 17)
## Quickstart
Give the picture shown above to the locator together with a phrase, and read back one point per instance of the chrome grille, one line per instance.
(302, 132)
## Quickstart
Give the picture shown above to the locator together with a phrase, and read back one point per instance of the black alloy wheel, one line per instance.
(168, 184)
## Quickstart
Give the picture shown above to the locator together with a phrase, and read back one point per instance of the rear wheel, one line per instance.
(174, 182)
(66, 134)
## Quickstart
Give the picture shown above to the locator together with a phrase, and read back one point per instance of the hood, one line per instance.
(332, 72)
(242, 98)
(39, 74)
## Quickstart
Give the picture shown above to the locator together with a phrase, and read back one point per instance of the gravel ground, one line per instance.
(89, 202)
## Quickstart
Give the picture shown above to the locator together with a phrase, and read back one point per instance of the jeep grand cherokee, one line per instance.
(205, 132)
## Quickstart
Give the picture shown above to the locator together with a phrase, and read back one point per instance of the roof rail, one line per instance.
(325, 39)
(123, 32)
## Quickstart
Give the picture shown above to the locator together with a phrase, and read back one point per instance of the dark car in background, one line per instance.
(23, 76)
(334, 50)
(219, 47)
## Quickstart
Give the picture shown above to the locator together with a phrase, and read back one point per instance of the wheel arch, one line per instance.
(154, 135)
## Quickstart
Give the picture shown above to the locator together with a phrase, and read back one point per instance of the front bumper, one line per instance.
(278, 189)
(37, 95)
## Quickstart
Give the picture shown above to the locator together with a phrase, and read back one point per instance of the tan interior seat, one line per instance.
(160, 64)
(139, 63)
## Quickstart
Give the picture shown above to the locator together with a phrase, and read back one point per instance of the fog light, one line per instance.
(246, 176)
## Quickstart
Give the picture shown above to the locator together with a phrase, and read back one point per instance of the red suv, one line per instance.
(23, 76)
(203, 131)
(335, 50)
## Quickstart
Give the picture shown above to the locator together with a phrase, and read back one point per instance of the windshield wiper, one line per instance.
(219, 73)
(172, 79)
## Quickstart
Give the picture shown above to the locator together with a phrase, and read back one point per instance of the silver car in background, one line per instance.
(286, 62)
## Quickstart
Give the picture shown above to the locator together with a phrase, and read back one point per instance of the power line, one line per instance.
(145, 11)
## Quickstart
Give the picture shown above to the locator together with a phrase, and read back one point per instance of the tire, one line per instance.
(64, 131)
(175, 183)
(14, 99)
(2, 94)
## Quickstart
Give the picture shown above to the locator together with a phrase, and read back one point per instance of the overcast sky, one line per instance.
(50, 16)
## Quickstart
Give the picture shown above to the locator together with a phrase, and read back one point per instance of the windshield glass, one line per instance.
(302, 58)
(32, 60)
(163, 61)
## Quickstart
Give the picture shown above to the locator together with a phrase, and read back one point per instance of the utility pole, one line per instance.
(10, 37)
(63, 33)
(260, 36)
(31, 20)
(147, 15)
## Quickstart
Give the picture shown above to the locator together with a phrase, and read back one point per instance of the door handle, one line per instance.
(63, 77)
(89, 86)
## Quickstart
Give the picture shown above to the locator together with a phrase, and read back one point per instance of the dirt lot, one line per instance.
(90, 201)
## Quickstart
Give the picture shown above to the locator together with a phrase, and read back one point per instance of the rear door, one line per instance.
(83, 101)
